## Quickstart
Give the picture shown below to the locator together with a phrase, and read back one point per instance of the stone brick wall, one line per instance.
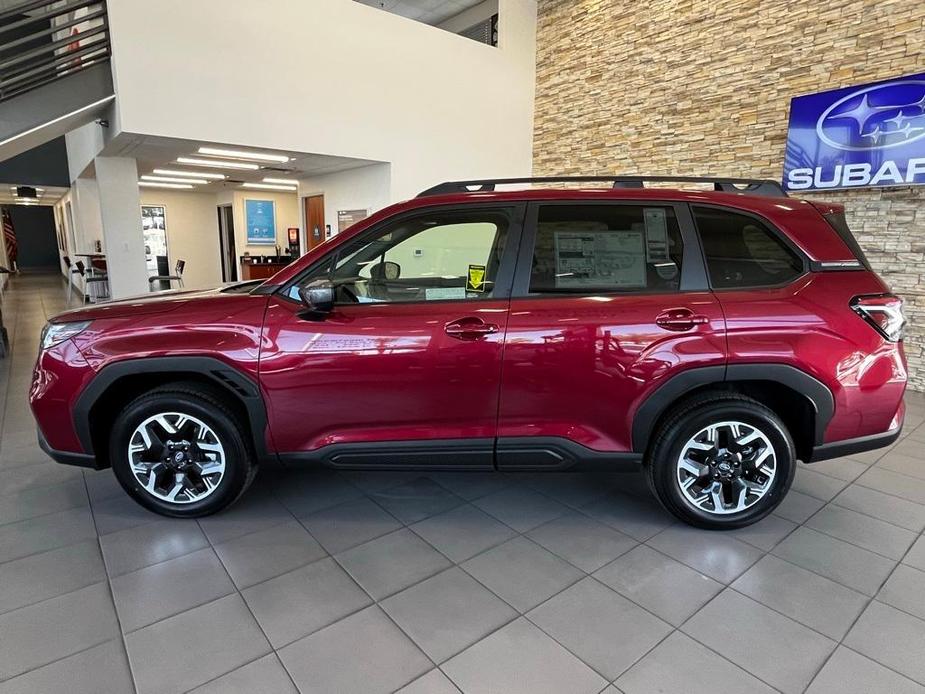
(703, 87)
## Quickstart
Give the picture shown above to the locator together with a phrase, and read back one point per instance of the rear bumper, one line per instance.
(67, 457)
(837, 449)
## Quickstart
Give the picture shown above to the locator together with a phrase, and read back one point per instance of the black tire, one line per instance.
(691, 417)
(206, 405)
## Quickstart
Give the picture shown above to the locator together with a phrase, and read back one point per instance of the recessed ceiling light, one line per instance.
(269, 186)
(164, 185)
(238, 154)
(168, 179)
(193, 174)
(283, 181)
(217, 164)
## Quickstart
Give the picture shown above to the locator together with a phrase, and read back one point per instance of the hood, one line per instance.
(146, 304)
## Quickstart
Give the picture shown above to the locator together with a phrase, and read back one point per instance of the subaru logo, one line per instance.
(877, 117)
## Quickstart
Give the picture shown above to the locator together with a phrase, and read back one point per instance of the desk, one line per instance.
(262, 267)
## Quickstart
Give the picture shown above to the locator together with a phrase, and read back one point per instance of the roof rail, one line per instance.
(750, 186)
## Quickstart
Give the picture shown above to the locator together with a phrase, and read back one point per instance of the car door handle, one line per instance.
(469, 328)
(680, 319)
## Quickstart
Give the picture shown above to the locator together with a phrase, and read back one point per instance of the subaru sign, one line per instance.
(871, 135)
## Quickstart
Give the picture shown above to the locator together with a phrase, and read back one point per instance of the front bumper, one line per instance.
(67, 457)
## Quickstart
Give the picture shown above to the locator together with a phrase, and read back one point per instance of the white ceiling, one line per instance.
(161, 153)
(427, 11)
(47, 195)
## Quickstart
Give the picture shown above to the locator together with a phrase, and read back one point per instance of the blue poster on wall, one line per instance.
(261, 222)
(857, 137)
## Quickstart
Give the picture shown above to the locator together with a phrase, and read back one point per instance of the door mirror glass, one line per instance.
(318, 296)
(385, 271)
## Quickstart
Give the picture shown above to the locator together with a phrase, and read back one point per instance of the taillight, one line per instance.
(884, 312)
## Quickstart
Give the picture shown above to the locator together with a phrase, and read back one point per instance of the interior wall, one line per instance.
(704, 88)
(192, 234)
(436, 105)
(287, 215)
(365, 188)
(37, 247)
(88, 220)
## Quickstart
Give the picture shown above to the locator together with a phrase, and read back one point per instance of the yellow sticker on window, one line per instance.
(475, 281)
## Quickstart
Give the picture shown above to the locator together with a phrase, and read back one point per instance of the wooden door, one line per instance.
(314, 220)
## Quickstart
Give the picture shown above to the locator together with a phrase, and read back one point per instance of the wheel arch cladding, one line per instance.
(804, 403)
(118, 383)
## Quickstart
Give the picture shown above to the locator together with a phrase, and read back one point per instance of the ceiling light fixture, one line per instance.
(238, 154)
(168, 179)
(193, 174)
(269, 186)
(282, 181)
(217, 164)
(164, 185)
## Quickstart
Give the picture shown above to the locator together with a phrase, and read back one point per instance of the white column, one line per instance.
(120, 209)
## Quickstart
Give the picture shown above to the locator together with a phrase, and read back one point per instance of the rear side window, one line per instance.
(589, 249)
(742, 252)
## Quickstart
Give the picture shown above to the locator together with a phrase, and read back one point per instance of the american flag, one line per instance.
(9, 236)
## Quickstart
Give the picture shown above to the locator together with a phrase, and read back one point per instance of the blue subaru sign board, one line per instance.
(261, 222)
(869, 135)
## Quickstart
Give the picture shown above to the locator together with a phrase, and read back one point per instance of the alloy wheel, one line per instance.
(726, 467)
(176, 457)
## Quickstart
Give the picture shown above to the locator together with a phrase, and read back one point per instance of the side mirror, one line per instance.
(318, 296)
(386, 270)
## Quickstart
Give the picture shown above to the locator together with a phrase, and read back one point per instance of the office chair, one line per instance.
(177, 275)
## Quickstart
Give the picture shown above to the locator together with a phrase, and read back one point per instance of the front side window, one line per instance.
(431, 257)
(742, 252)
(606, 248)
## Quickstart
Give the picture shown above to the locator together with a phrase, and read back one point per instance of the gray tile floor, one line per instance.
(381, 582)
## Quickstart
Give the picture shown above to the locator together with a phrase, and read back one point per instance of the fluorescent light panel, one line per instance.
(168, 179)
(238, 154)
(283, 181)
(192, 174)
(165, 185)
(269, 186)
(214, 163)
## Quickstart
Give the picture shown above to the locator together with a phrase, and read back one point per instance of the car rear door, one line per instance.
(610, 300)
(406, 368)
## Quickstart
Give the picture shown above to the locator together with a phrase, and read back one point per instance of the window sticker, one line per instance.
(656, 235)
(601, 259)
(475, 279)
(436, 293)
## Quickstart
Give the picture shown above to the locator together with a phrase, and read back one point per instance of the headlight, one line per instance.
(54, 333)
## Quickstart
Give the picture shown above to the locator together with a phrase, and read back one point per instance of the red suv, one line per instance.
(714, 337)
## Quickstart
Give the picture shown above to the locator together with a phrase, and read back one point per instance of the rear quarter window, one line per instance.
(741, 251)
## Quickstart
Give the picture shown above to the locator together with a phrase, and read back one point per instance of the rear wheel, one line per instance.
(178, 451)
(721, 461)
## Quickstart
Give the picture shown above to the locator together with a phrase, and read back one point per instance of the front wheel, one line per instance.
(178, 451)
(721, 461)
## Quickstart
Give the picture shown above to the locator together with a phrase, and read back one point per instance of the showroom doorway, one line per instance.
(226, 243)
(314, 220)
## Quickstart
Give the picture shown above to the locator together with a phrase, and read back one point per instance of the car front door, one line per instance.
(610, 300)
(405, 369)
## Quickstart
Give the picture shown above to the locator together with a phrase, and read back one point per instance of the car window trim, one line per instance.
(775, 232)
(503, 282)
(693, 265)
